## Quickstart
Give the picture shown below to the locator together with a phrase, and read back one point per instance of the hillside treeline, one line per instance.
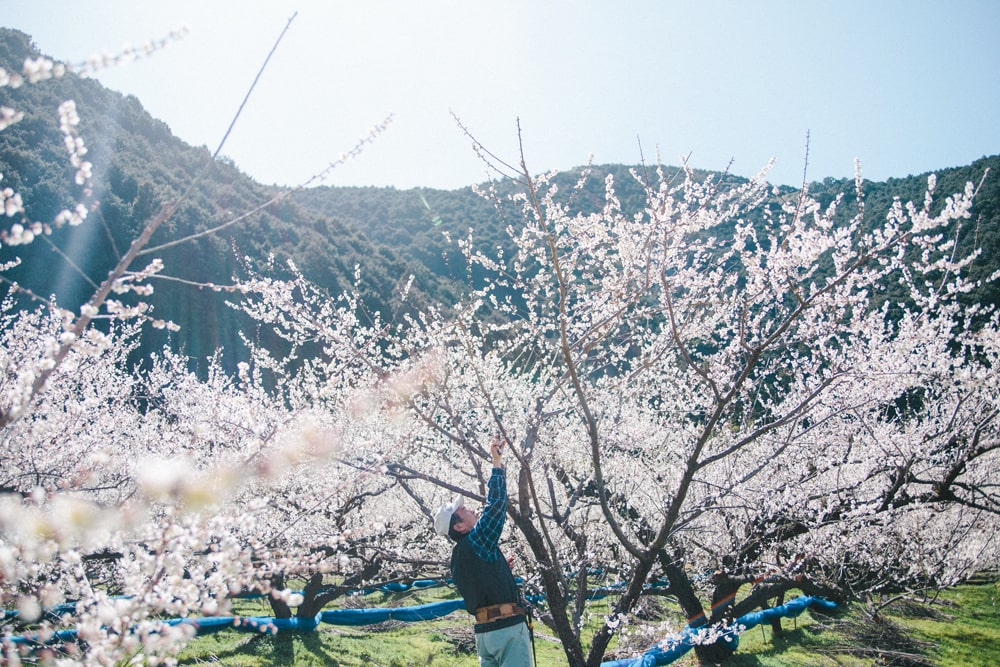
(386, 234)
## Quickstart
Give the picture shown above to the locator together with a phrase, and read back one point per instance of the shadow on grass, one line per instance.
(788, 642)
(284, 649)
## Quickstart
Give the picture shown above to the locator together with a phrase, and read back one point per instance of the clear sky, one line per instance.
(907, 86)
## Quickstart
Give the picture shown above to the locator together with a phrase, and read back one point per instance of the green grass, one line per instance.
(445, 642)
(965, 628)
(328, 647)
(962, 629)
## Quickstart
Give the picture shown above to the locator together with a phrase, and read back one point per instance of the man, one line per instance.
(482, 575)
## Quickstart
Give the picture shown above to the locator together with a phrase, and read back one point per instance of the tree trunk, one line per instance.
(311, 603)
(776, 622)
(554, 594)
(279, 607)
(723, 596)
(626, 602)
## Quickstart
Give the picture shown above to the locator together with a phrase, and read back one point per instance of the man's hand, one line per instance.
(496, 450)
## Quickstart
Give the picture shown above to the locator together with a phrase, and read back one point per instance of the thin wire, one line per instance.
(253, 85)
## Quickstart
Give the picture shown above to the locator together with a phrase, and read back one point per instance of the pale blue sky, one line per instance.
(907, 86)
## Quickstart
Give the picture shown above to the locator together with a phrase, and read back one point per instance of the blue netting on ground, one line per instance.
(663, 653)
(672, 648)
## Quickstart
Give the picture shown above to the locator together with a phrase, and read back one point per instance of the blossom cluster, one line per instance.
(12, 204)
(35, 70)
(68, 121)
(9, 116)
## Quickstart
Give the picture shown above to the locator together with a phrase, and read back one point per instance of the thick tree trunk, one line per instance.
(312, 603)
(714, 654)
(599, 644)
(776, 622)
(681, 586)
(554, 594)
(279, 607)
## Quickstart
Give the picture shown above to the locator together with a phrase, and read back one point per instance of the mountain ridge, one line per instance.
(327, 231)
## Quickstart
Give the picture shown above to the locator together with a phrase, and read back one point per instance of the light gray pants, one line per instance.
(506, 647)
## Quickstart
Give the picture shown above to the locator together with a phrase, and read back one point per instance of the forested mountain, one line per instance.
(418, 223)
(390, 234)
(981, 231)
(424, 223)
(139, 166)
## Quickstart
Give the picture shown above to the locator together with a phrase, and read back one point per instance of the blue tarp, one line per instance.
(210, 625)
(213, 624)
(391, 587)
(54, 638)
(399, 587)
(423, 612)
(672, 648)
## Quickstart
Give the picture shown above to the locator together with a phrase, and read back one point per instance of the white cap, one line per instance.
(442, 520)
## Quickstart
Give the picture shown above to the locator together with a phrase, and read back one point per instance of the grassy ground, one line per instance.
(965, 629)
(961, 629)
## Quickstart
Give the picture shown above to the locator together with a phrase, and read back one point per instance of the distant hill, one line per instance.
(982, 230)
(418, 222)
(414, 222)
(139, 164)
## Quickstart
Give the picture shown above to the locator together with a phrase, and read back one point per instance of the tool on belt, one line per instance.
(495, 612)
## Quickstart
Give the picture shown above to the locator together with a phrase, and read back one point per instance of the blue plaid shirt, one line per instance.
(485, 535)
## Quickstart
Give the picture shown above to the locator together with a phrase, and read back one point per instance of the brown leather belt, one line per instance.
(497, 611)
